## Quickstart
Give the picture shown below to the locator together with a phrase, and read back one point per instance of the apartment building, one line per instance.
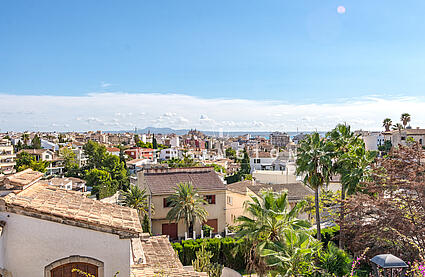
(7, 157)
(279, 139)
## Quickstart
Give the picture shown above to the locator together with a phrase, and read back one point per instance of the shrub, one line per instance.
(207, 230)
(224, 251)
(335, 261)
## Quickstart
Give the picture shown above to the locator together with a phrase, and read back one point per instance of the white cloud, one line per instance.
(121, 111)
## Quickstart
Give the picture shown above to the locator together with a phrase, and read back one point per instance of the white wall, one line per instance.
(30, 244)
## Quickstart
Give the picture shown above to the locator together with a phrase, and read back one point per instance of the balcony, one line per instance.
(7, 164)
(7, 156)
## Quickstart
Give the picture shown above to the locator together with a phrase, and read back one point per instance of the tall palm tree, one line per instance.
(314, 160)
(405, 119)
(136, 198)
(350, 160)
(269, 215)
(187, 204)
(387, 124)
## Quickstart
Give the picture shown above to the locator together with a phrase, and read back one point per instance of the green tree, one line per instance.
(187, 204)
(99, 158)
(335, 261)
(314, 161)
(386, 147)
(350, 160)
(25, 160)
(245, 164)
(231, 153)
(136, 198)
(116, 168)
(36, 142)
(71, 167)
(387, 123)
(95, 153)
(154, 143)
(269, 215)
(405, 119)
(136, 139)
(101, 183)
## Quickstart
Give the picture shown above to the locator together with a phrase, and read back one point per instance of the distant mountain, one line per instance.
(155, 130)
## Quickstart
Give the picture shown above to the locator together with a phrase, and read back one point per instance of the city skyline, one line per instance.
(287, 65)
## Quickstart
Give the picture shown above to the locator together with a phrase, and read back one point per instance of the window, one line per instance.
(210, 199)
(229, 200)
(165, 202)
(403, 138)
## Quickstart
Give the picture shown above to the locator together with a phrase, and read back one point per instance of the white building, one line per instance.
(7, 158)
(53, 230)
(175, 141)
(169, 153)
(45, 144)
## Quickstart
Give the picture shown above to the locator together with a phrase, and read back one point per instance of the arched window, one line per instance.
(64, 267)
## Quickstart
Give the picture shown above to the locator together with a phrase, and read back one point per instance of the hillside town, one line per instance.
(135, 203)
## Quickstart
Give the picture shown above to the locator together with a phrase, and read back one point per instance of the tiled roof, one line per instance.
(34, 151)
(164, 181)
(21, 179)
(153, 256)
(239, 187)
(72, 208)
(112, 149)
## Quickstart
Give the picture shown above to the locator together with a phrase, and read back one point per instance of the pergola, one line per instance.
(388, 262)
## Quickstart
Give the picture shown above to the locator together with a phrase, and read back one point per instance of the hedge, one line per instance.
(225, 251)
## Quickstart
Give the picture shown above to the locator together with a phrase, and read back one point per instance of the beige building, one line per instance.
(7, 158)
(400, 137)
(160, 183)
(240, 192)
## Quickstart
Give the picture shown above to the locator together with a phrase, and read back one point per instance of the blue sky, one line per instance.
(292, 52)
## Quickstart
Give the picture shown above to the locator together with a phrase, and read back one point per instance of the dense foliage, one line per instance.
(388, 214)
(100, 164)
(226, 251)
(25, 160)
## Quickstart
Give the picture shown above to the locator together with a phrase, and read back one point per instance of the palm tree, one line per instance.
(398, 127)
(314, 160)
(187, 204)
(293, 256)
(269, 215)
(405, 118)
(350, 161)
(137, 199)
(387, 124)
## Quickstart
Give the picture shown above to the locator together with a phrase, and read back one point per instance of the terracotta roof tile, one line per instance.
(164, 181)
(70, 207)
(153, 256)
